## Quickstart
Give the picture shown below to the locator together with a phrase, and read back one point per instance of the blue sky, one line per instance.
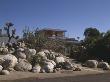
(71, 15)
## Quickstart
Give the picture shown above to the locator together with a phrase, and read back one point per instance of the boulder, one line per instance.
(1, 68)
(41, 54)
(23, 65)
(1, 60)
(68, 65)
(30, 52)
(47, 54)
(77, 68)
(48, 67)
(1, 49)
(91, 63)
(5, 72)
(103, 65)
(42, 70)
(21, 44)
(60, 59)
(57, 70)
(11, 69)
(56, 54)
(50, 56)
(3, 45)
(9, 61)
(36, 69)
(53, 62)
(12, 50)
(21, 55)
(5, 50)
(46, 51)
(47, 60)
(20, 49)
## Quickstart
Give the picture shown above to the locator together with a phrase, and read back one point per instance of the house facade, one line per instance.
(59, 34)
(53, 33)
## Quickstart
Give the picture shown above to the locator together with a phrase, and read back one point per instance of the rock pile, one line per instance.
(22, 58)
(96, 64)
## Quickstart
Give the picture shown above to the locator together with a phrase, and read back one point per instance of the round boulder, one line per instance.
(91, 63)
(1, 68)
(1, 49)
(5, 72)
(68, 65)
(36, 69)
(9, 61)
(48, 67)
(41, 54)
(23, 65)
(5, 50)
(60, 60)
(103, 65)
(53, 62)
(20, 49)
(46, 51)
(21, 55)
(30, 52)
(1, 60)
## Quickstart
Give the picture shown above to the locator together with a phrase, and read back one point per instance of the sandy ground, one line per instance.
(86, 75)
(65, 76)
(81, 78)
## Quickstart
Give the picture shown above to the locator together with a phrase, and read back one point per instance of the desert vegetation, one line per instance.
(39, 54)
(95, 45)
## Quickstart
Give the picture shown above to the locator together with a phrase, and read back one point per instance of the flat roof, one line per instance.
(53, 29)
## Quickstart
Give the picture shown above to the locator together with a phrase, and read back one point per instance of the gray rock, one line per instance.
(46, 51)
(5, 72)
(1, 49)
(91, 63)
(48, 67)
(21, 44)
(77, 69)
(5, 50)
(103, 65)
(11, 50)
(30, 52)
(36, 69)
(20, 49)
(53, 62)
(55, 71)
(9, 61)
(21, 55)
(1, 60)
(60, 59)
(11, 69)
(68, 65)
(42, 70)
(41, 54)
(23, 65)
(1, 68)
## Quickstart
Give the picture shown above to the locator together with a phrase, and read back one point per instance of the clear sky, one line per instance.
(71, 15)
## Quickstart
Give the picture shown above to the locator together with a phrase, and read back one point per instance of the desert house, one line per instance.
(53, 33)
(59, 34)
